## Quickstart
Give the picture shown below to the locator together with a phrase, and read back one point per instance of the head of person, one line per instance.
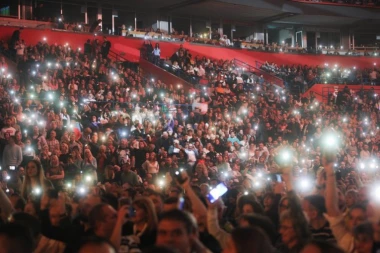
(294, 229)
(157, 200)
(317, 246)
(260, 221)
(102, 219)
(363, 235)
(356, 215)
(351, 198)
(248, 204)
(248, 240)
(176, 229)
(15, 237)
(34, 171)
(12, 140)
(145, 213)
(314, 207)
(96, 244)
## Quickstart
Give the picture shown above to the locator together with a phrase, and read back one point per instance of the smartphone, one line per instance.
(12, 167)
(132, 212)
(181, 203)
(276, 178)
(217, 192)
(179, 177)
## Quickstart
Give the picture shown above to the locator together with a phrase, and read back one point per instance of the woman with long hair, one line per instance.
(89, 164)
(151, 165)
(293, 227)
(156, 54)
(35, 180)
(143, 223)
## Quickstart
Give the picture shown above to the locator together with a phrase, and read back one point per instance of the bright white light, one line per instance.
(88, 178)
(82, 190)
(37, 191)
(305, 184)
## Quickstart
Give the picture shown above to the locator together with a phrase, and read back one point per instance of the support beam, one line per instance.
(86, 15)
(19, 9)
(100, 16)
(135, 22)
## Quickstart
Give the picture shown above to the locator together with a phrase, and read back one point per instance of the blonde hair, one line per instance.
(147, 205)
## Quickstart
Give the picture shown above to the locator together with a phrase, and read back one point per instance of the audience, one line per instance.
(120, 163)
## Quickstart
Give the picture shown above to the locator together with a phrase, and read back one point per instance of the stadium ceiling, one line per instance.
(274, 12)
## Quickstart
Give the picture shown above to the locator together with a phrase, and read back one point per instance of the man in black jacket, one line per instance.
(106, 46)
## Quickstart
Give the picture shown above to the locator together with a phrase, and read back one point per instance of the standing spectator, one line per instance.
(20, 49)
(106, 46)
(7, 128)
(87, 47)
(143, 225)
(151, 165)
(89, 165)
(52, 142)
(34, 179)
(15, 38)
(23, 70)
(3, 65)
(128, 176)
(156, 54)
(12, 154)
(55, 172)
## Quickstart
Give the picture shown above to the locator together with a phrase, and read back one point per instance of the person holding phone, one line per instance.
(142, 225)
(34, 179)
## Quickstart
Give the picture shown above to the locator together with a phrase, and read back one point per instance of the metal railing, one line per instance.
(191, 79)
(258, 71)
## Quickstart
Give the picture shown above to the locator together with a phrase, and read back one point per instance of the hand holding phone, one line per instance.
(217, 192)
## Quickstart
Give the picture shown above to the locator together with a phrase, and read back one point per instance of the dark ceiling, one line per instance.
(269, 12)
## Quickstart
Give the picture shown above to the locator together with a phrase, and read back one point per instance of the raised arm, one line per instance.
(331, 192)
(294, 201)
(5, 205)
(197, 204)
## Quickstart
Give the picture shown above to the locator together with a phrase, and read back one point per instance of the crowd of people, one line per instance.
(97, 158)
(306, 76)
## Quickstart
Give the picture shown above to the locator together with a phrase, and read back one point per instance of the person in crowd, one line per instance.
(143, 223)
(106, 46)
(12, 154)
(156, 54)
(35, 180)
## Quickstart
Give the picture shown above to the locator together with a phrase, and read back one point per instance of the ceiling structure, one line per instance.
(268, 12)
